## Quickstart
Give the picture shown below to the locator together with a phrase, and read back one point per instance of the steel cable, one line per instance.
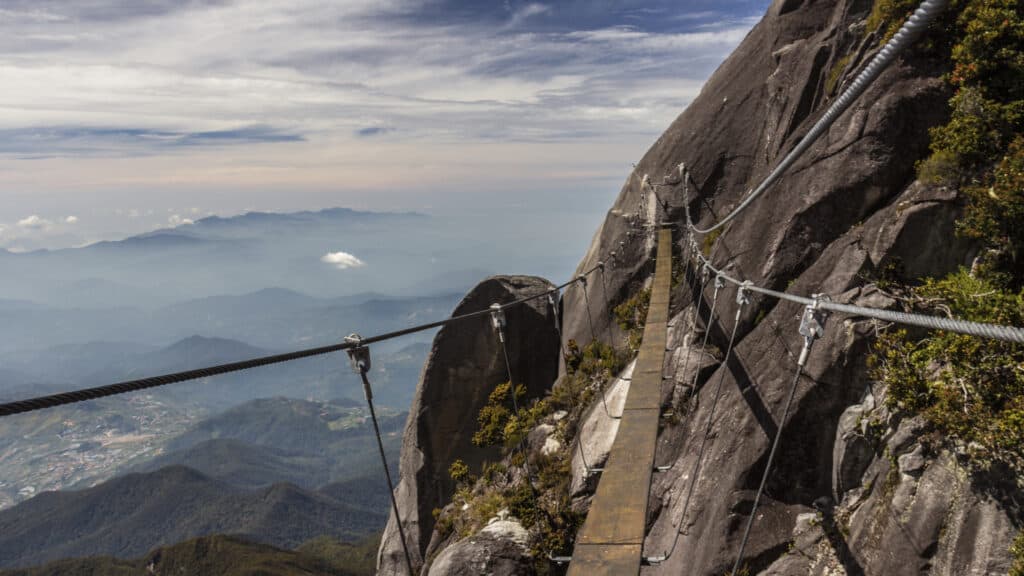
(719, 283)
(907, 34)
(741, 301)
(53, 400)
(361, 364)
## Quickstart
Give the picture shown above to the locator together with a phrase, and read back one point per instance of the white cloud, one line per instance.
(175, 220)
(34, 222)
(342, 260)
(71, 220)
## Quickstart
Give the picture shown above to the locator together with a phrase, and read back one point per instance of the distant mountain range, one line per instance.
(276, 470)
(286, 440)
(130, 515)
(218, 255)
(274, 319)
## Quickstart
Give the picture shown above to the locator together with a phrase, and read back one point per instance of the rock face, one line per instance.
(498, 550)
(848, 212)
(464, 366)
(853, 489)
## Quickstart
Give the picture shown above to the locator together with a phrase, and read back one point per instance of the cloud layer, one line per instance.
(119, 97)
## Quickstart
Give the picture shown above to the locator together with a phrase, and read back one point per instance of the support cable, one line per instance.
(812, 326)
(552, 301)
(907, 34)
(696, 297)
(719, 284)
(607, 305)
(590, 320)
(742, 299)
(499, 322)
(359, 357)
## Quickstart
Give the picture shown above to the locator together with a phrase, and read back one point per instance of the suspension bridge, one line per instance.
(612, 538)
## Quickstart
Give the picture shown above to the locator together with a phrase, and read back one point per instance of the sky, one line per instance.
(119, 116)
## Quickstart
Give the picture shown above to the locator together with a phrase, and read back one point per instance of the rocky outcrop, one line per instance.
(846, 214)
(500, 549)
(853, 490)
(463, 367)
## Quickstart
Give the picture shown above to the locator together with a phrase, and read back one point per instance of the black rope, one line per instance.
(50, 401)
(367, 389)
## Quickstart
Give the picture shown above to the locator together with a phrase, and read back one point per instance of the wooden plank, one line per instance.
(611, 539)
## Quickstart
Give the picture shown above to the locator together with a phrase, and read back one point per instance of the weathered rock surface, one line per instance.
(463, 367)
(852, 491)
(847, 211)
(498, 549)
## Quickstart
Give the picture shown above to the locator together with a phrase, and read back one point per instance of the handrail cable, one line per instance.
(982, 329)
(49, 401)
(907, 34)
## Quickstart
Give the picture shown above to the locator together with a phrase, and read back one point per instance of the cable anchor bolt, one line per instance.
(498, 320)
(582, 280)
(719, 281)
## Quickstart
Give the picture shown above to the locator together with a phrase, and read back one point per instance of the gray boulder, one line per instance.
(462, 369)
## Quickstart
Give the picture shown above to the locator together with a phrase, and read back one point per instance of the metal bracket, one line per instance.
(498, 320)
(358, 355)
(743, 293)
(812, 325)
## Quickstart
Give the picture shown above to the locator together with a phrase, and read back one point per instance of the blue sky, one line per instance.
(128, 115)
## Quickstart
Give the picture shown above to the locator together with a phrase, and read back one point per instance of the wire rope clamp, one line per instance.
(719, 281)
(600, 265)
(743, 293)
(358, 355)
(582, 280)
(812, 325)
(498, 318)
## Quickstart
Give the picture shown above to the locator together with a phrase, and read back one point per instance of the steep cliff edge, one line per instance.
(464, 366)
(842, 216)
(855, 488)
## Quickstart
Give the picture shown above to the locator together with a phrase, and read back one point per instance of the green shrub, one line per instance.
(1017, 551)
(832, 82)
(631, 316)
(889, 15)
(459, 471)
(971, 389)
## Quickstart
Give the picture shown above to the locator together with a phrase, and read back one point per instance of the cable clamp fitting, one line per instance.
(600, 265)
(743, 293)
(719, 281)
(498, 319)
(812, 325)
(582, 280)
(358, 355)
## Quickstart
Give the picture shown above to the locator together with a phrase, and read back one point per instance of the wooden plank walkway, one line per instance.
(611, 540)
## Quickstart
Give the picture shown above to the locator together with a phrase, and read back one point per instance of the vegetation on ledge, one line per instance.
(971, 390)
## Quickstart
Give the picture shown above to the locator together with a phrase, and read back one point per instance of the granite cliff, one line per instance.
(855, 489)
